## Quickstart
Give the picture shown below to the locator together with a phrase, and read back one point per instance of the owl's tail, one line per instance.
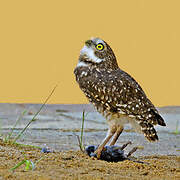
(149, 131)
(156, 119)
(160, 120)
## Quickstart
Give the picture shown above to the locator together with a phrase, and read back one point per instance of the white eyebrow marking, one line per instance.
(97, 40)
(100, 41)
(89, 52)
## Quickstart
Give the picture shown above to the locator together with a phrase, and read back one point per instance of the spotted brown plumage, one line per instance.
(114, 93)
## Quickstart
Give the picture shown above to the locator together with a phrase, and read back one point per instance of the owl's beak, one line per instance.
(88, 43)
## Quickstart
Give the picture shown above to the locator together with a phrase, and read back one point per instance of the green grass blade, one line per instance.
(17, 165)
(27, 145)
(0, 127)
(177, 125)
(36, 162)
(33, 119)
(39, 160)
(82, 130)
(12, 129)
(32, 165)
(27, 167)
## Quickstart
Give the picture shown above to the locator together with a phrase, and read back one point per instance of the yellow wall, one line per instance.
(40, 43)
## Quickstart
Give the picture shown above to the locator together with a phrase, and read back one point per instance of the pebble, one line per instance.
(45, 150)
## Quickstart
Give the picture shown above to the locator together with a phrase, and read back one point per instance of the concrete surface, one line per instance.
(56, 125)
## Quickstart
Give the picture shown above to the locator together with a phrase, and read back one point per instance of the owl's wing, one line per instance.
(118, 92)
(133, 100)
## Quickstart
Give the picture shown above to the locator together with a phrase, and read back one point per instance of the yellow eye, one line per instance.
(100, 46)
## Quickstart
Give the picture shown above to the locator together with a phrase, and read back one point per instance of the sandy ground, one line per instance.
(76, 165)
(55, 127)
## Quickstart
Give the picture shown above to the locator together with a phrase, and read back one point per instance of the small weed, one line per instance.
(7, 139)
(1, 128)
(82, 130)
(176, 130)
(18, 165)
(80, 139)
(29, 165)
(33, 119)
(26, 145)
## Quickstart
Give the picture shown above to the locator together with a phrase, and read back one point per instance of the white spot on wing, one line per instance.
(84, 74)
(121, 105)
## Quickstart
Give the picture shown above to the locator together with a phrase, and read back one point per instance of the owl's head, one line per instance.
(98, 53)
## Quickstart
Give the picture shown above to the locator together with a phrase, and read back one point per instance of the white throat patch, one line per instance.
(90, 54)
(81, 64)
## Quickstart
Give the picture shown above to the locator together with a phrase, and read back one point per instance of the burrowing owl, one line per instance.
(114, 93)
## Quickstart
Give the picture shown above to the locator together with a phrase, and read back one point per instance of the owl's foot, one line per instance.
(98, 152)
(125, 145)
(132, 151)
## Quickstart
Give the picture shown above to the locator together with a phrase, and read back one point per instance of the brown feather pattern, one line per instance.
(113, 91)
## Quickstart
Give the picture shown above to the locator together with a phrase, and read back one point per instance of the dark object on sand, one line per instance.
(45, 150)
(111, 153)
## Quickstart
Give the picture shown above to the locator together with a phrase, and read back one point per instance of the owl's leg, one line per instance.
(116, 135)
(109, 135)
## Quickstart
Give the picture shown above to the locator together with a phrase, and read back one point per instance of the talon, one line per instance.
(98, 152)
(125, 145)
(132, 151)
